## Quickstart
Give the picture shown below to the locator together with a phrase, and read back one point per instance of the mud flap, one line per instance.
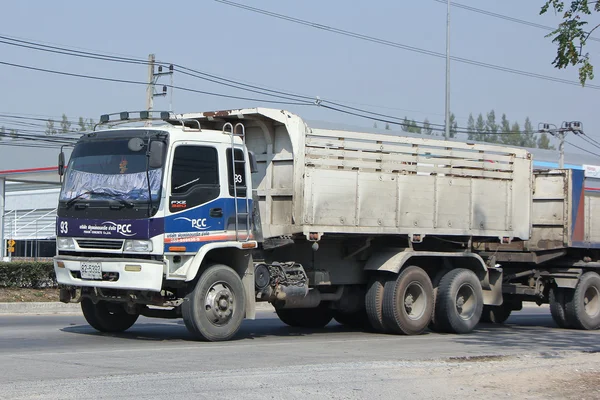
(248, 282)
(69, 294)
(492, 287)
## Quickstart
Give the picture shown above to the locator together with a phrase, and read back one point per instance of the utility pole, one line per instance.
(575, 127)
(152, 78)
(150, 88)
(447, 131)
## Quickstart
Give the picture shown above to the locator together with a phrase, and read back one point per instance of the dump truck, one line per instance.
(202, 216)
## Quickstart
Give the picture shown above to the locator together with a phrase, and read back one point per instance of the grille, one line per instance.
(100, 244)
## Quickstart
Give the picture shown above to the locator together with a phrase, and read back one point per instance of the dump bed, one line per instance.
(328, 181)
(368, 183)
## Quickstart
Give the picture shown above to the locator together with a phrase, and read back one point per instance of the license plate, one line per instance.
(91, 270)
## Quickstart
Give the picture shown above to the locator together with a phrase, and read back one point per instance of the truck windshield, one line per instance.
(108, 169)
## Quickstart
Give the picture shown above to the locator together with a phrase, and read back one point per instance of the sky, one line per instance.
(237, 44)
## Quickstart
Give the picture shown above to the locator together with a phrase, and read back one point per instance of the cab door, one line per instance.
(195, 207)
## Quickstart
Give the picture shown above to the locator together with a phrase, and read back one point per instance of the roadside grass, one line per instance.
(12, 295)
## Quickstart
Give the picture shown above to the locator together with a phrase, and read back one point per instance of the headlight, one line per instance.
(65, 243)
(138, 245)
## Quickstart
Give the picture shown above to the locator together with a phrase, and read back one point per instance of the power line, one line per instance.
(59, 50)
(402, 46)
(37, 116)
(106, 79)
(109, 57)
(294, 98)
(39, 135)
(31, 118)
(505, 17)
(582, 149)
(29, 145)
(219, 80)
(262, 91)
(181, 69)
(390, 119)
(590, 140)
(226, 96)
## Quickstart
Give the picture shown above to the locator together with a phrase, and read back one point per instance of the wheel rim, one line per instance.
(219, 304)
(591, 301)
(414, 301)
(466, 302)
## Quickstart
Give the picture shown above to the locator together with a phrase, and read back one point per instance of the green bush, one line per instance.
(27, 274)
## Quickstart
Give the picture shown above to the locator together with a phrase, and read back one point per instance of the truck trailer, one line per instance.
(203, 215)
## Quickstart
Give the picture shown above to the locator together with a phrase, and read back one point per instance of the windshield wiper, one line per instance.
(122, 201)
(74, 199)
(115, 196)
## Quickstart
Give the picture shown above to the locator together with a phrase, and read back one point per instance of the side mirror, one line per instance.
(157, 149)
(61, 163)
(253, 163)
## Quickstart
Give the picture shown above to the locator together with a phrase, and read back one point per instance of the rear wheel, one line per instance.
(215, 308)
(459, 302)
(496, 314)
(557, 298)
(316, 317)
(583, 309)
(374, 302)
(408, 302)
(107, 317)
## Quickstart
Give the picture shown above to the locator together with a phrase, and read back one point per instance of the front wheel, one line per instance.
(215, 308)
(107, 317)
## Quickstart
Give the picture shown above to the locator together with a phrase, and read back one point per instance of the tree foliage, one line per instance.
(453, 126)
(427, 128)
(486, 128)
(50, 128)
(471, 135)
(572, 34)
(66, 126)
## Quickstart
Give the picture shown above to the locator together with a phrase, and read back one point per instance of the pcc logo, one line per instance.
(198, 223)
(121, 229)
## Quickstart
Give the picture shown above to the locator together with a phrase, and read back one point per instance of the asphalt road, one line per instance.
(60, 356)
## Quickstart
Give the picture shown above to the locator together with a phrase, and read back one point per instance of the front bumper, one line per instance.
(149, 277)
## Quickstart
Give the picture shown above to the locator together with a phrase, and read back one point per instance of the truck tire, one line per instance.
(408, 302)
(583, 309)
(374, 302)
(314, 318)
(355, 320)
(495, 314)
(436, 284)
(459, 302)
(214, 309)
(557, 298)
(107, 317)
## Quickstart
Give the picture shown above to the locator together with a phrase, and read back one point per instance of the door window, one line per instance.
(240, 173)
(194, 177)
